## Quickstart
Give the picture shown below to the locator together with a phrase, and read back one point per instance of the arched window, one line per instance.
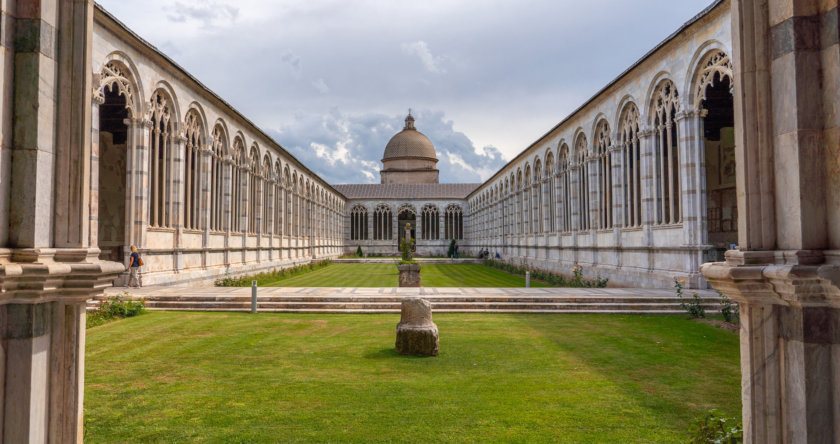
(382, 223)
(526, 201)
(358, 223)
(537, 199)
(160, 158)
(565, 191)
(631, 158)
(267, 198)
(454, 222)
(253, 189)
(518, 200)
(604, 174)
(278, 199)
(219, 152)
(581, 152)
(194, 135)
(550, 195)
(239, 164)
(431, 222)
(666, 154)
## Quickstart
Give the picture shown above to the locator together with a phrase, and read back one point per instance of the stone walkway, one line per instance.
(387, 300)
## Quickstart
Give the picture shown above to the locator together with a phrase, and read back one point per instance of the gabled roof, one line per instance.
(407, 191)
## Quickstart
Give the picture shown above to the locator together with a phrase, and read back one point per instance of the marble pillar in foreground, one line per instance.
(786, 272)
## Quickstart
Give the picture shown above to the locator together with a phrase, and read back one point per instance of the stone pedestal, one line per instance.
(409, 275)
(416, 333)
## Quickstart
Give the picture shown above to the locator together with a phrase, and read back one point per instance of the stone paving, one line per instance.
(443, 299)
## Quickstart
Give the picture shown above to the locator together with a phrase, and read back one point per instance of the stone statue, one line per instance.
(416, 333)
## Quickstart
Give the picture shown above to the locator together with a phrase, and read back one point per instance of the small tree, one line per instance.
(359, 251)
(405, 249)
(451, 251)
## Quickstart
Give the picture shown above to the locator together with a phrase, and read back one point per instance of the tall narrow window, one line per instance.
(550, 194)
(666, 154)
(431, 222)
(217, 178)
(564, 179)
(358, 223)
(278, 199)
(518, 200)
(604, 175)
(160, 160)
(238, 168)
(581, 152)
(631, 158)
(526, 201)
(537, 200)
(253, 189)
(267, 198)
(382, 223)
(194, 134)
(454, 222)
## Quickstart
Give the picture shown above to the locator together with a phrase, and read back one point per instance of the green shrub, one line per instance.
(451, 251)
(730, 310)
(714, 428)
(116, 307)
(554, 279)
(359, 251)
(693, 306)
(270, 276)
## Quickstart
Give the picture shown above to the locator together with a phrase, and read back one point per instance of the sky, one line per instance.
(332, 81)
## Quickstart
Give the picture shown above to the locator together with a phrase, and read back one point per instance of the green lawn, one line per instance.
(385, 275)
(235, 377)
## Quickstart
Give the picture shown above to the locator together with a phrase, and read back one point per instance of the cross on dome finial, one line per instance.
(409, 121)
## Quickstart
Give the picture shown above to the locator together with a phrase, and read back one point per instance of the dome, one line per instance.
(409, 143)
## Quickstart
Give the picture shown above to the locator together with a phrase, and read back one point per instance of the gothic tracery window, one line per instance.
(382, 223)
(631, 159)
(194, 135)
(666, 154)
(430, 218)
(253, 189)
(267, 198)
(604, 175)
(454, 222)
(160, 158)
(582, 173)
(217, 179)
(238, 164)
(565, 193)
(278, 199)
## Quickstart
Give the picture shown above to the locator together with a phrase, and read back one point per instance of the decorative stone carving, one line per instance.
(409, 275)
(416, 333)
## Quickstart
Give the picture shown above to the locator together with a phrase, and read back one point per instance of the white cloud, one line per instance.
(320, 85)
(429, 61)
(209, 13)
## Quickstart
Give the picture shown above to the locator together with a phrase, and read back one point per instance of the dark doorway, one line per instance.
(113, 146)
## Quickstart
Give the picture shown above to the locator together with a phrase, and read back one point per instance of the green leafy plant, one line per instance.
(451, 251)
(359, 251)
(270, 276)
(714, 428)
(554, 279)
(406, 249)
(693, 306)
(116, 307)
(729, 309)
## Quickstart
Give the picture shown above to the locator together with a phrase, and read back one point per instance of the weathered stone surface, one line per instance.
(409, 275)
(416, 333)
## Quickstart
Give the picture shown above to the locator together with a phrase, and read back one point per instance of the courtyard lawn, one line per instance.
(237, 377)
(385, 275)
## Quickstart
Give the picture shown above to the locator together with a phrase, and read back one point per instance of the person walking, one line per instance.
(134, 263)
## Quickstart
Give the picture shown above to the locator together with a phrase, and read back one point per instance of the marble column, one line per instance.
(786, 273)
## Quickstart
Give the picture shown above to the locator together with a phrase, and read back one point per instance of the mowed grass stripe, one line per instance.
(386, 275)
(237, 377)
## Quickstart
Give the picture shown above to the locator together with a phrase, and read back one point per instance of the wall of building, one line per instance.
(205, 192)
(536, 210)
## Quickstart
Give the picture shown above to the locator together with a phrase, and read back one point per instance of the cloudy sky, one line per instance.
(332, 80)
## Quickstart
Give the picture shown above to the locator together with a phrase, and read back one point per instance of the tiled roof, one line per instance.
(407, 191)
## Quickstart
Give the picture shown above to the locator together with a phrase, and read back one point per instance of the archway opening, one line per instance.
(113, 147)
(719, 142)
(406, 217)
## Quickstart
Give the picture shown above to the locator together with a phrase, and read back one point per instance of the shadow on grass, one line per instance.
(391, 353)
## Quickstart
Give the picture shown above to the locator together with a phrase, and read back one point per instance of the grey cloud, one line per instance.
(346, 148)
(206, 12)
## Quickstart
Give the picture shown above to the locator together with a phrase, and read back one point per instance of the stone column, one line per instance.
(786, 273)
(137, 208)
(206, 154)
(176, 193)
